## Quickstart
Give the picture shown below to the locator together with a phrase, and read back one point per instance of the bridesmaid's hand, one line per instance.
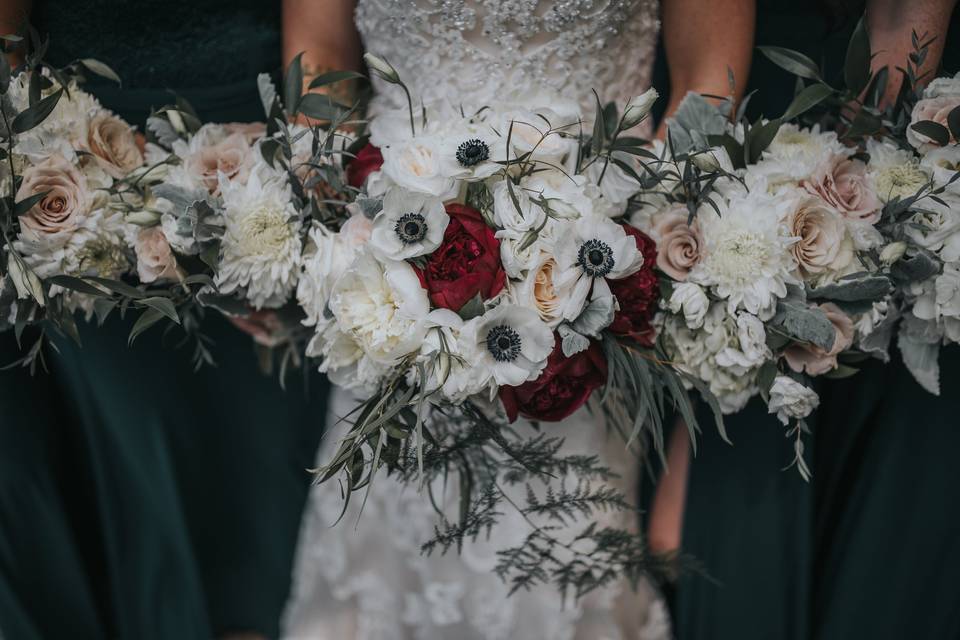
(263, 326)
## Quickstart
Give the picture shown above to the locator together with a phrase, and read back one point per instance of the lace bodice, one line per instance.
(468, 52)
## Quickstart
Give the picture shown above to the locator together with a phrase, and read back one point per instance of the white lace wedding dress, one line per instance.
(365, 579)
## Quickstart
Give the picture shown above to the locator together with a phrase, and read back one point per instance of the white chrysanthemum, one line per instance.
(893, 172)
(381, 306)
(696, 353)
(792, 156)
(409, 225)
(509, 344)
(746, 258)
(64, 130)
(260, 249)
(943, 163)
(589, 252)
(791, 400)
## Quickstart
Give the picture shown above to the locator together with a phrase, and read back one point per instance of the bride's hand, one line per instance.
(263, 326)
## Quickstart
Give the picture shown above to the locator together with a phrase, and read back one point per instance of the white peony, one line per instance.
(691, 300)
(260, 249)
(509, 344)
(746, 253)
(409, 225)
(588, 252)
(791, 400)
(381, 306)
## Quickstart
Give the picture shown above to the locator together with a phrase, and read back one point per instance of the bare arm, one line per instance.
(702, 38)
(324, 32)
(890, 23)
(13, 19)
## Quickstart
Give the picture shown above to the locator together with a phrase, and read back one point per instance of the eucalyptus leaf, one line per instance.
(792, 61)
(147, 319)
(267, 91)
(293, 84)
(871, 288)
(864, 124)
(334, 76)
(856, 68)
(807, 99)
(953, 122)
(759, 138)
(320, 107)
(34, 115)
(77, 284)
(225, 304)
(101, 69)
(118, 287)
(26, 204)
(933, 130)
(163, 305)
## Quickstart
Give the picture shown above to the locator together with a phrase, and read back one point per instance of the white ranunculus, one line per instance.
(791, 400)
(519, 216)
(589, 252)
(746, 258)
(943, 163)
(509, 344)
(409, 225)
(638, 108)
(752, 350)
(382, 306)
(691, 300)
(260, 249)
(417, 165)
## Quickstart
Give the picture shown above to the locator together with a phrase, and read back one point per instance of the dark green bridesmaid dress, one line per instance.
(747, 522)
(139, 499)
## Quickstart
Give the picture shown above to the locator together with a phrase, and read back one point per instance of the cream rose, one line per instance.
(824, 244)
(66, 203)
(680, 245)
(155, 260)
(816, 360)
(842, 183)
(232, 157)
(112, 142)
(540, 291)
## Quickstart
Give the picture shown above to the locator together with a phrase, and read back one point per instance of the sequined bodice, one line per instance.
(468, 52)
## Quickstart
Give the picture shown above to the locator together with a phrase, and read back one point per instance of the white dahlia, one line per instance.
(260, 249)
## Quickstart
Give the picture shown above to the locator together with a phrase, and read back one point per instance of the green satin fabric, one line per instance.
(139, 499)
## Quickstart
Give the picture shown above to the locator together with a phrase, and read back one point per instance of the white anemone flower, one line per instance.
(409, 225)
(590, 251)
(509, 344)
(260, 250)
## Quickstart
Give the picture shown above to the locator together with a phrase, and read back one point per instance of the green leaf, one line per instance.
(856, 68)
(599, 127)
(227, 305)
(870, 288)
(759, 138)
(26, 204)
(807, 99)
(76, 284)
(147, 319)
(32, 116)
(953, 121)
(119, 287)
(104, 71)
(293, 84)
(334, 76)
(163, 305)
(933, 130)
(864, 124)
(320, 107)
(792, 61)
(201, 279)
(473, 308)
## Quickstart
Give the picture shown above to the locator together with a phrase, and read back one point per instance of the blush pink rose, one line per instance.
(842, 183)
(816, 360)
(112, 142)
(66, 203)
(823, 244)
(679, 244)
(232, 156)
(155, 260)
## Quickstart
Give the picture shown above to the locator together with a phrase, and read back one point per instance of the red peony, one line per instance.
(561, 389)
(638, 295)
(466, 264)
(368, 160)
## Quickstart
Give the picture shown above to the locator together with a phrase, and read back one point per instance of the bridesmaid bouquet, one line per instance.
(904, 168)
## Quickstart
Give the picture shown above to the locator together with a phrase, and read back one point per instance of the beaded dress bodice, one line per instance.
(471, 51)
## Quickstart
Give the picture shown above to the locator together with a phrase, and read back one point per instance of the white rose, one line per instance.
(791, 400)
(752, 350)
(944, 163)
(540, 290)
(417, 165)
(692, 301)
(520, 216)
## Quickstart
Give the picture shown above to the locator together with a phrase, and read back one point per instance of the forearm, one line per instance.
(890, 24)
(13, 20)
(324, 32)
(699, 53)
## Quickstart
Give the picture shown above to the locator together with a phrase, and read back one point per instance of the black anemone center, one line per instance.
(503, 343)
(411, 227)
(595, 258)
(472, 152)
